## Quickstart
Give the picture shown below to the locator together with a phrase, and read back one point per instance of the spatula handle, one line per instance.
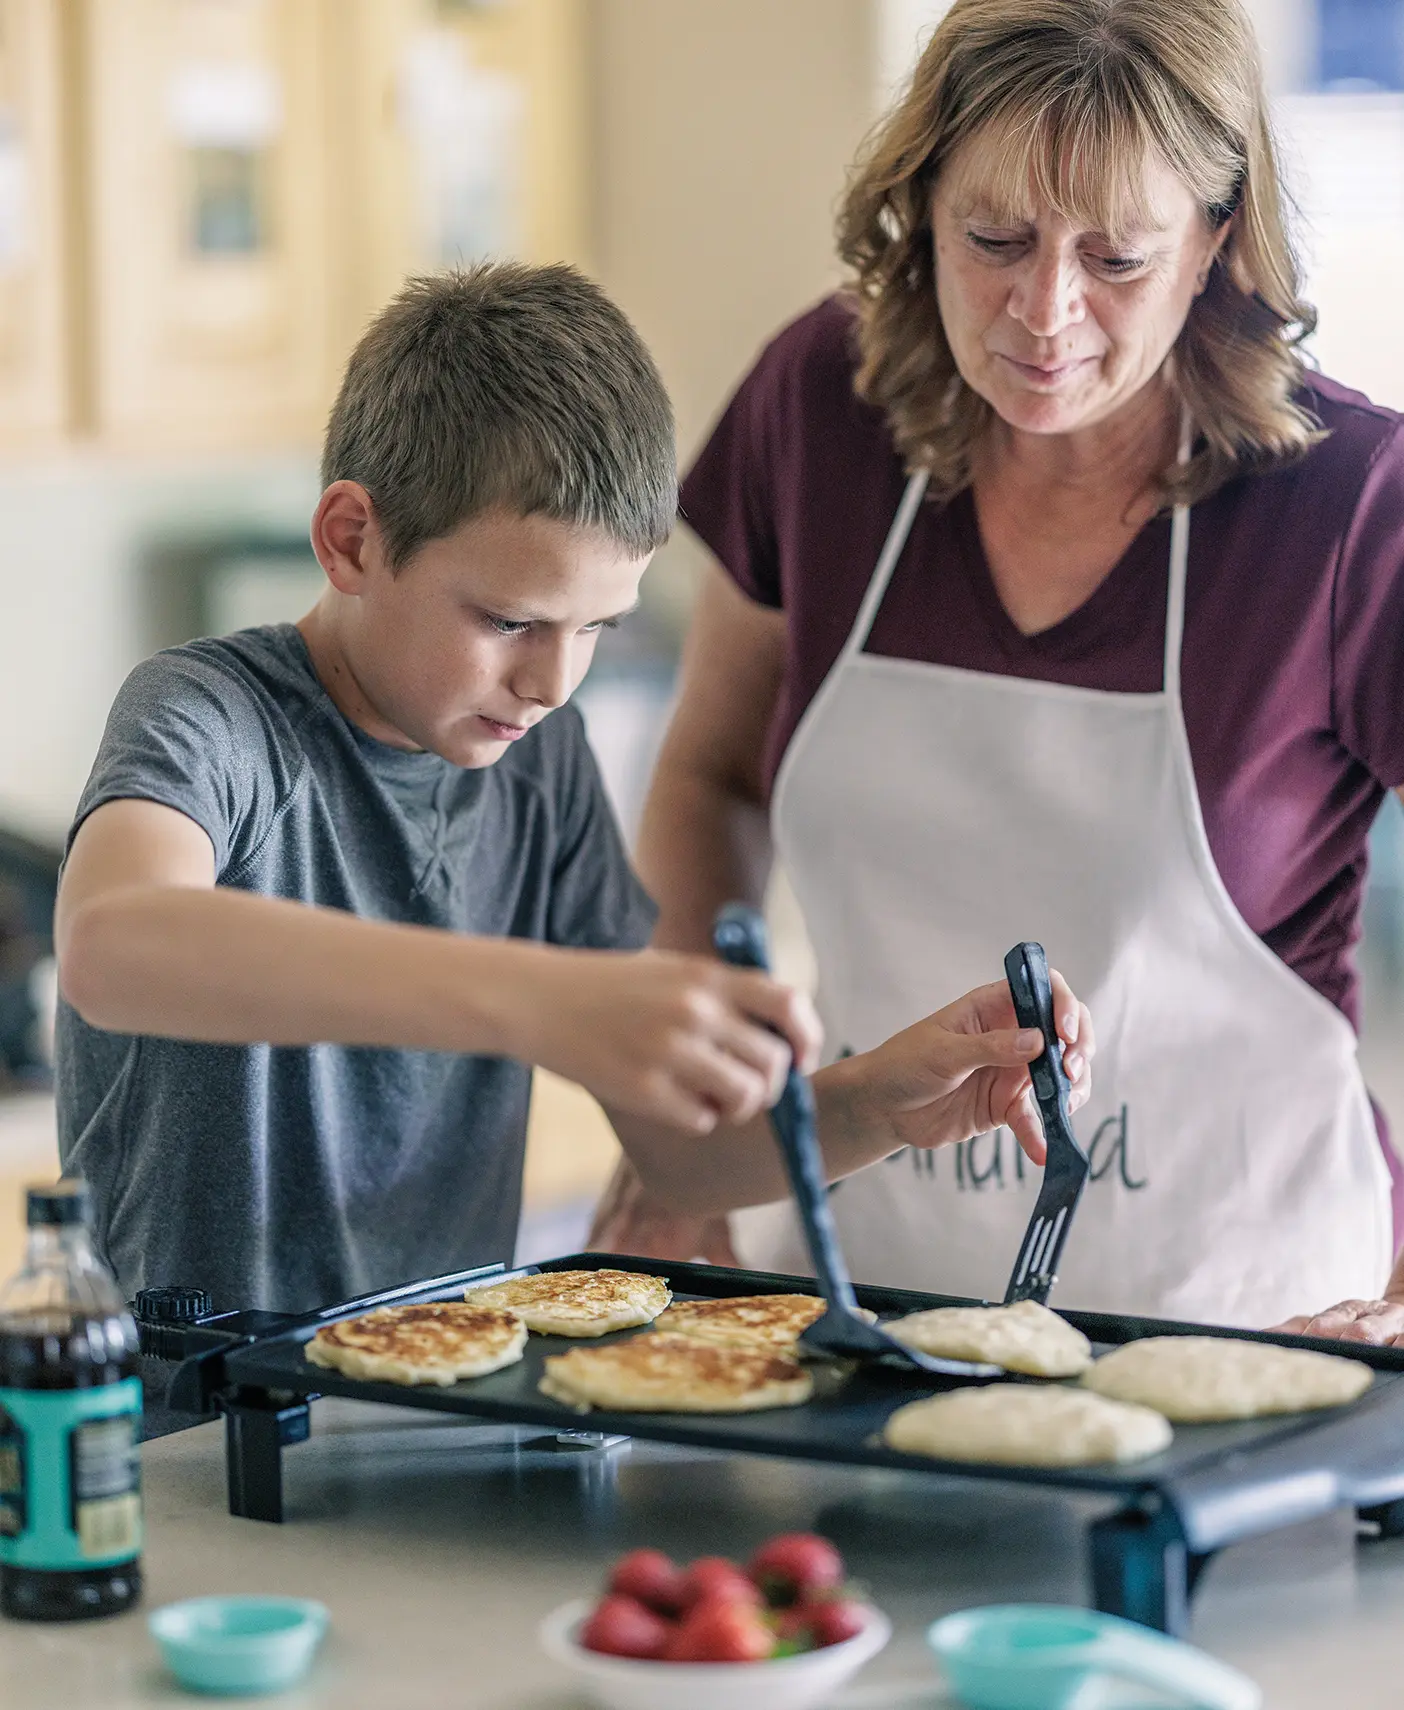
(1026, 968)
(739, 937)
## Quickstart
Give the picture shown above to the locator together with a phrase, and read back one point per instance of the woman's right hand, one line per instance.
(964, 1071)
(681, 1040)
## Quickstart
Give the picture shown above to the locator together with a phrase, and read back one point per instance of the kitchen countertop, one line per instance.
(439, 1545)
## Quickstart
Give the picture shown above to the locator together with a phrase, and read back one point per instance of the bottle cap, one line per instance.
(63, 1202)
(171, 1305)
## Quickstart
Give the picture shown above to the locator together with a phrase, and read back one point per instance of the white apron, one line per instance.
(929, 818)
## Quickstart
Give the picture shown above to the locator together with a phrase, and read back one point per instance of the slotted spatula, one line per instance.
(1065, 1172)
(739, 938)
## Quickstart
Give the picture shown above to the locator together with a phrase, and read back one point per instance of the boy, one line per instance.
(331, 886)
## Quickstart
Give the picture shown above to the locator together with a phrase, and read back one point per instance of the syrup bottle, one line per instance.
(70, 1424)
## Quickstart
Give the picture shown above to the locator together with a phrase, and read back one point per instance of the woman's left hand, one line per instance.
(1378, 1322)
(963, 1072)
(629, 1219)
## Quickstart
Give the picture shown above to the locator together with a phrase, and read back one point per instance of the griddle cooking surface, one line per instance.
(1284, 1466)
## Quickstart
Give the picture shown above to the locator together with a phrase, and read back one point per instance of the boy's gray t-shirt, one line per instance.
(294, 1177)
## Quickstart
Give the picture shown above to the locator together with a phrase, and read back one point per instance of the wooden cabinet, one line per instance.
(465, 136)
(211, 256)
(224, 191)
(37, 330)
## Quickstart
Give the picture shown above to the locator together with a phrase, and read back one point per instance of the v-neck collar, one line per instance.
(1148, 553)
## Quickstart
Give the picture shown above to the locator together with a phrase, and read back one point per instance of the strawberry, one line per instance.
(792, 1628)
(716, 1579)
(836, 1619)
(652, 1578)
(795, 1566)
(621, 1627)
(716, 1630)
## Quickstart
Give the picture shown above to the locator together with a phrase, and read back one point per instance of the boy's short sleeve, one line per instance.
(187, 733)
(597, 900)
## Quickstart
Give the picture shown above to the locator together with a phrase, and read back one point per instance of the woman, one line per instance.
(1055, 598)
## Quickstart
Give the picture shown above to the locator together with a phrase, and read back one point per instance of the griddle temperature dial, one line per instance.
(162, 1313)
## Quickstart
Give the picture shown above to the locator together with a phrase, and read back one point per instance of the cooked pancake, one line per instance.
(674, 1374)
(578, 1303)
(1026, 1425)
(1025, 1337)
(766, 1323)
(1200, 1379)
(440, 1341)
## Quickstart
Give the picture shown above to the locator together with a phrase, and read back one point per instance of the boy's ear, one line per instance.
(346, 535)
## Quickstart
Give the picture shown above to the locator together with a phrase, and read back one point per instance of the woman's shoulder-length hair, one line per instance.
(1072, 98)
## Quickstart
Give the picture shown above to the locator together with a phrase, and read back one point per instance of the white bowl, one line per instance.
(784, 1683)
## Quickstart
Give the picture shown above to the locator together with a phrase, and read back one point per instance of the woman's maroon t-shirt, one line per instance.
(1293, 662)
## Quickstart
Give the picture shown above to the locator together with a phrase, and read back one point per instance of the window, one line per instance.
(1360, 44)
(227, 204)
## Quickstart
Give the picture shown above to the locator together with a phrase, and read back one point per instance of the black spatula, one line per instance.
(1065, 1172)
(739, 937)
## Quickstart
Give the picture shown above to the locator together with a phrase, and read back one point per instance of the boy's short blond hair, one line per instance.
(503, 386)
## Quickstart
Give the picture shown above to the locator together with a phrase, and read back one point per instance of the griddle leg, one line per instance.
(1387, 1518)
(1143, 1570)
(256, 1427)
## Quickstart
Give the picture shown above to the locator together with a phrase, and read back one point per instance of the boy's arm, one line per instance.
(960, 1072)
(147, 943)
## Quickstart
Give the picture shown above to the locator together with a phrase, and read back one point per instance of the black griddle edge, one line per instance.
(1166, 1518)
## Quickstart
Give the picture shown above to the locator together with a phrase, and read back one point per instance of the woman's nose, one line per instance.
(1048, 297)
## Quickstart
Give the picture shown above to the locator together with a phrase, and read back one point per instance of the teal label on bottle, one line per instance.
(70, 1477)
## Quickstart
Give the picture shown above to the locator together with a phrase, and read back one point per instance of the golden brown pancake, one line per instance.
(439, 1341)
(674, 1374)
(766, 1323)
(578, 1303)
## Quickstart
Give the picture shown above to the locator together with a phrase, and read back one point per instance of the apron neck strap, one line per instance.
(887, 562)
(1175, 602)
(1179, 571)
(902, 526)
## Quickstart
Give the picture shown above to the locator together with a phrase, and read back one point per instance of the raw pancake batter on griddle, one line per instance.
(1024, 1337)
(1205, 1378)
(1013, 1424)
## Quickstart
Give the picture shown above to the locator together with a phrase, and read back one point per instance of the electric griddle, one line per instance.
(1165, 1517)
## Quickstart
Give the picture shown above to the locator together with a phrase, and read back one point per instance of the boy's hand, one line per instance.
(681, 1040)
(962, 1072)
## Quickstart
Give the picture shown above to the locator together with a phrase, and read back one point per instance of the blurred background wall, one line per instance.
(201, 202)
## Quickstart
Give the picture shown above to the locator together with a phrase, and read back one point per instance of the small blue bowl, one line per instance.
(238, 1644)
(1036, 1656)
